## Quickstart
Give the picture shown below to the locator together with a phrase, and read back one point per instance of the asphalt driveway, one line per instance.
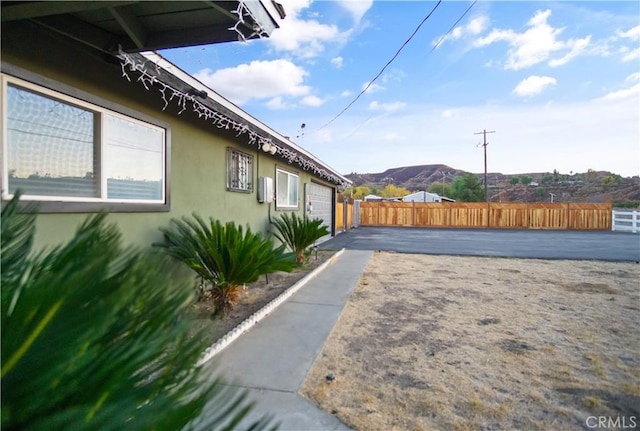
(541, 244)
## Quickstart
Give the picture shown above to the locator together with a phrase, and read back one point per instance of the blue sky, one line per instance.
(559, 82)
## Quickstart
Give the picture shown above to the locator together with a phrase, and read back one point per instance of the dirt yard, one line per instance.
(465, 343)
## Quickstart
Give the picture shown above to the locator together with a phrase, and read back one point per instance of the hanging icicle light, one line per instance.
(186, 100)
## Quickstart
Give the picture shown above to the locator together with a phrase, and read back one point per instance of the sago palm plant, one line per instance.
(94, 337)
(299, 233)
(226, 256)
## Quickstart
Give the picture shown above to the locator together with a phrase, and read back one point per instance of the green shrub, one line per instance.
(94, 337)
(299, 233)
(223, 255)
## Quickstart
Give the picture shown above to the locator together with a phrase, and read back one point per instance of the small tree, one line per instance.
(226, 256)
(360, 192)
(95, 337)
(299, 233)
(525, 180)
(441, 189)
(514, 180)
(392, 191)
(468, 188)
(541, 193)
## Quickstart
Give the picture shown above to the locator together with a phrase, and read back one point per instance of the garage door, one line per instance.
(321, 198)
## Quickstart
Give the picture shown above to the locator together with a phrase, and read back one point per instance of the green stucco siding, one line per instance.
(198, 150)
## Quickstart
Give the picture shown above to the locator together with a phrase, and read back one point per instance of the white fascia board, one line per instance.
(264, 13)
(211, 94)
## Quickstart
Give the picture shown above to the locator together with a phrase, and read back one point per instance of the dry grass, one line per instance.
(463, 343)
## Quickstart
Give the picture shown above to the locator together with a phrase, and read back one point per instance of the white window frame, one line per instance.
(85, 204)
(237, 163)
(279, 201)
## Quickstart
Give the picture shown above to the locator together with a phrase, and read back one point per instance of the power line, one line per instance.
(385, 66)
(436, 45)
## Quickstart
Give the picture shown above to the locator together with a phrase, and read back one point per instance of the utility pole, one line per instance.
(552, 196)
(484, 133)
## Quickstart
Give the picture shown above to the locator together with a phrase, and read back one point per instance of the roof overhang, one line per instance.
(177, 86)
(149, 25)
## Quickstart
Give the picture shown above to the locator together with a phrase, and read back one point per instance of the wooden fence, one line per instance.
(344, 212)
(579, 216)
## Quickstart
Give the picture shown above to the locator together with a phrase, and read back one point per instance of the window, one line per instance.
(239, 171)
(286, 189)
(58, 148)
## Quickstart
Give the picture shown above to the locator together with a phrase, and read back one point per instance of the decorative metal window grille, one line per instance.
(239, 171)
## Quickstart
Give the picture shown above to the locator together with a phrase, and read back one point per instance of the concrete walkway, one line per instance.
(274, 357)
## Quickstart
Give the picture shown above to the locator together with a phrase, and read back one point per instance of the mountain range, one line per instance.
(591, 186)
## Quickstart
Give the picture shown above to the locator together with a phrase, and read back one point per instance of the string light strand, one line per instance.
(131, 64)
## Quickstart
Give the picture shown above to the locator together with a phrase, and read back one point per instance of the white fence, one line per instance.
(625, 221)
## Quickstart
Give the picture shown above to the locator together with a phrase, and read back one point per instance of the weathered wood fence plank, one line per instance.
(577, 216)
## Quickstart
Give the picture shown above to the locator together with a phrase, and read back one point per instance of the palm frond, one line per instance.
(16, 242)
(97, 338)
(226, 256)
(299, 233)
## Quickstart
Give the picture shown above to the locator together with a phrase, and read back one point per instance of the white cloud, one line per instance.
(392, 136)
(393, 75)
(346, 93)
(531, 137)
(631, 55)
(277, 104)
(337, 62)
(477, 25)
(474, 27)
(632, 33)
(533, 85)
(257, 80)
(632, 92)
(357, 8)
(387, 107)
(312, 101)
(448, 113)
(633, 77)
(304, 38)
(536, 44)
(576, 47)
(372, 88)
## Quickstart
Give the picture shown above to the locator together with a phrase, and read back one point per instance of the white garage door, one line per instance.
(321, 198)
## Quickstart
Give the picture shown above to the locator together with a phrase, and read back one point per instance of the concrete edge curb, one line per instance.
(250, 321)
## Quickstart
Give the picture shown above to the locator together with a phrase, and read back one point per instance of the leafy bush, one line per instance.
(468, 188)
(94, 337)
(299, 233)
(224, 255)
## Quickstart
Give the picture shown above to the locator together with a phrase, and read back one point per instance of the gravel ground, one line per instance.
(466, 343)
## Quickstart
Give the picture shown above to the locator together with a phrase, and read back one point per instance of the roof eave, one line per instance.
(220, 104)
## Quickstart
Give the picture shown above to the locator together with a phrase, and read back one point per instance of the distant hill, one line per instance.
(592, 186)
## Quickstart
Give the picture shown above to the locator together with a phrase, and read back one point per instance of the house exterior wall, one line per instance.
(197, 160)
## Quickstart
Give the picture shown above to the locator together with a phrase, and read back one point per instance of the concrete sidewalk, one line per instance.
(274, 357)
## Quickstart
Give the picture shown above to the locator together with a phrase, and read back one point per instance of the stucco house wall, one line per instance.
(196, 163)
